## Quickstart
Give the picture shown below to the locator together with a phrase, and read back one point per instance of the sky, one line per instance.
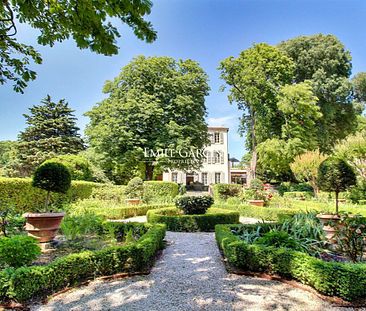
(207, 31)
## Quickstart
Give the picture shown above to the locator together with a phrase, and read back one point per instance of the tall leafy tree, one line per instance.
(154, 103)
(51, 131)
(89, 23)
(323, 60)
(254, 78)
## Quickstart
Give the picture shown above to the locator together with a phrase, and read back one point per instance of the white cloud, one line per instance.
(222, 121)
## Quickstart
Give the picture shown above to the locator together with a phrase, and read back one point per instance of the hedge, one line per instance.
(225, 191)
(345, 280)
(299, 195)
(160, 191)
(175, 221)
(24, 283)
(25, 198)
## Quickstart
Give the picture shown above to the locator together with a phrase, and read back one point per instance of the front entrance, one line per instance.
(189, 179)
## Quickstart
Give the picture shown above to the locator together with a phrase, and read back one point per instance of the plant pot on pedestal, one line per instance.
(329, 231)
(43, 226)
(256, 202)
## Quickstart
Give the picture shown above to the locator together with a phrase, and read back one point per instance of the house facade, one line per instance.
(215, 168)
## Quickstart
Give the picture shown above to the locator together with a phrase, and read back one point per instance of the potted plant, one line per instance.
(44, 224)
(256, 193)
(134, 191)
(334, 175)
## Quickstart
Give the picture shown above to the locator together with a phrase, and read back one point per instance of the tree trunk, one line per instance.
(149, 171)
(253, 162)
(337, 211)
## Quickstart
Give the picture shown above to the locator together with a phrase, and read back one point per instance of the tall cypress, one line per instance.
(51, 130)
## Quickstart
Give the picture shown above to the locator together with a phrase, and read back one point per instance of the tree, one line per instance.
(298, 107)
(51, 131)
(323, 60)
(87, 22)
(335, 175)
(5, 154)
(305, 168)
(359, 87)
(254, 79)
(156, 103)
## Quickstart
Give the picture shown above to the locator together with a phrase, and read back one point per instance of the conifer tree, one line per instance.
(51, 131)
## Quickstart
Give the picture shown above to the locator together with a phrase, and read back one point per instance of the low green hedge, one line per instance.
(345, 280)
(299, 195)
(160, 191)
(175, 221)
(25, 198)
(24, 283)
(225, 191)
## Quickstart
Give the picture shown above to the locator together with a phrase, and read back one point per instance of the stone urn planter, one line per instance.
(133, 201)
(329, 231)
(43, 226)
(256, 202)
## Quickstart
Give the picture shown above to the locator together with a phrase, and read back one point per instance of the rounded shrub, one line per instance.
(52, 177)
(335, 175)
(194, 205)
(18, 251)
(135, 188)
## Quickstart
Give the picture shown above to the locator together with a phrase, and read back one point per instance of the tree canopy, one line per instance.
(154, 103)
(88, 23)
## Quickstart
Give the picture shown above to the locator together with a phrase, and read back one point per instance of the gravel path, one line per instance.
(190, 275)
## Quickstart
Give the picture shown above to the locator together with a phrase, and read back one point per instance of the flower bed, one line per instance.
(345, 280)
(176, 221)
(25, 283)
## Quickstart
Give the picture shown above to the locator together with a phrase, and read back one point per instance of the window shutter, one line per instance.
(222, 177)
(209, 157)
(221, 138)
(222, 157)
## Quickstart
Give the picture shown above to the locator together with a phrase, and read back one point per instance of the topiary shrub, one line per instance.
(160, 191)
(335, 175)
(18, 251)
(256, 184)
(52, 177)
(78, 166)
(194, 205)
(135, 188)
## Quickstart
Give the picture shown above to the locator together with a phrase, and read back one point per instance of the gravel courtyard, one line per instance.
(190, 275)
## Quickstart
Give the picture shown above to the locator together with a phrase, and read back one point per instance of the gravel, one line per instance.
(190, 275)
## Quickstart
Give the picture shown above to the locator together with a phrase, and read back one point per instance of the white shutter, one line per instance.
(222, 154)
(209, 160)
(222, 178)
(221, 138)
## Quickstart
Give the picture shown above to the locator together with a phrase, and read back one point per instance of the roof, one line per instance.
(218, 128)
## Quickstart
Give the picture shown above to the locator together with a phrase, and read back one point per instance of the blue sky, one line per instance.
(204, 30)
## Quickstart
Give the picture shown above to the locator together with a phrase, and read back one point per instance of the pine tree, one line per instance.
(51, 131)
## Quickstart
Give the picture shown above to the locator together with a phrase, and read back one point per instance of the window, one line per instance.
(217, 138)
(204, 179)
(217, 178)
(217, 157)
(175, 177)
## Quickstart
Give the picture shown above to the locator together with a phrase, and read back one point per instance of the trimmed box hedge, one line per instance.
(175, 221)
(160, 191)
(345, 280)
(25, 198)
(224, 191)
(298, 195)
(24, 283)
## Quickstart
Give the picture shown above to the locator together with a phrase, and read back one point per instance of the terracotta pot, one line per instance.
(256, 202)
(43, 226)
(328, 230)
(133, 201)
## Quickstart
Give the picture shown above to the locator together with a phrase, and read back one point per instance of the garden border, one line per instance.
(24, 283)
(192, 223)
(345, 280)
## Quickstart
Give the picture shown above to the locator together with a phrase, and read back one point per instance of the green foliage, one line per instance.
(6, 148)
(75, 226)
(329, 76)
(18, 251)
(335, 175)
(10, 222)
(135, 188)
(357, 193)
(305, 167)
(175, 221)
(251, 194)
(160, 191)
(359, 87)
(291, 187)
(225, 191)
(52, 177)
(155, 103)
(78, 166)
(350, 235)
(345, 280)
(278, 239)
(194, 205)
(24, 283)
(256, 184)
(299, 195)
(51, 131)
(25, 198)
(110, 192)
(89, 24)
